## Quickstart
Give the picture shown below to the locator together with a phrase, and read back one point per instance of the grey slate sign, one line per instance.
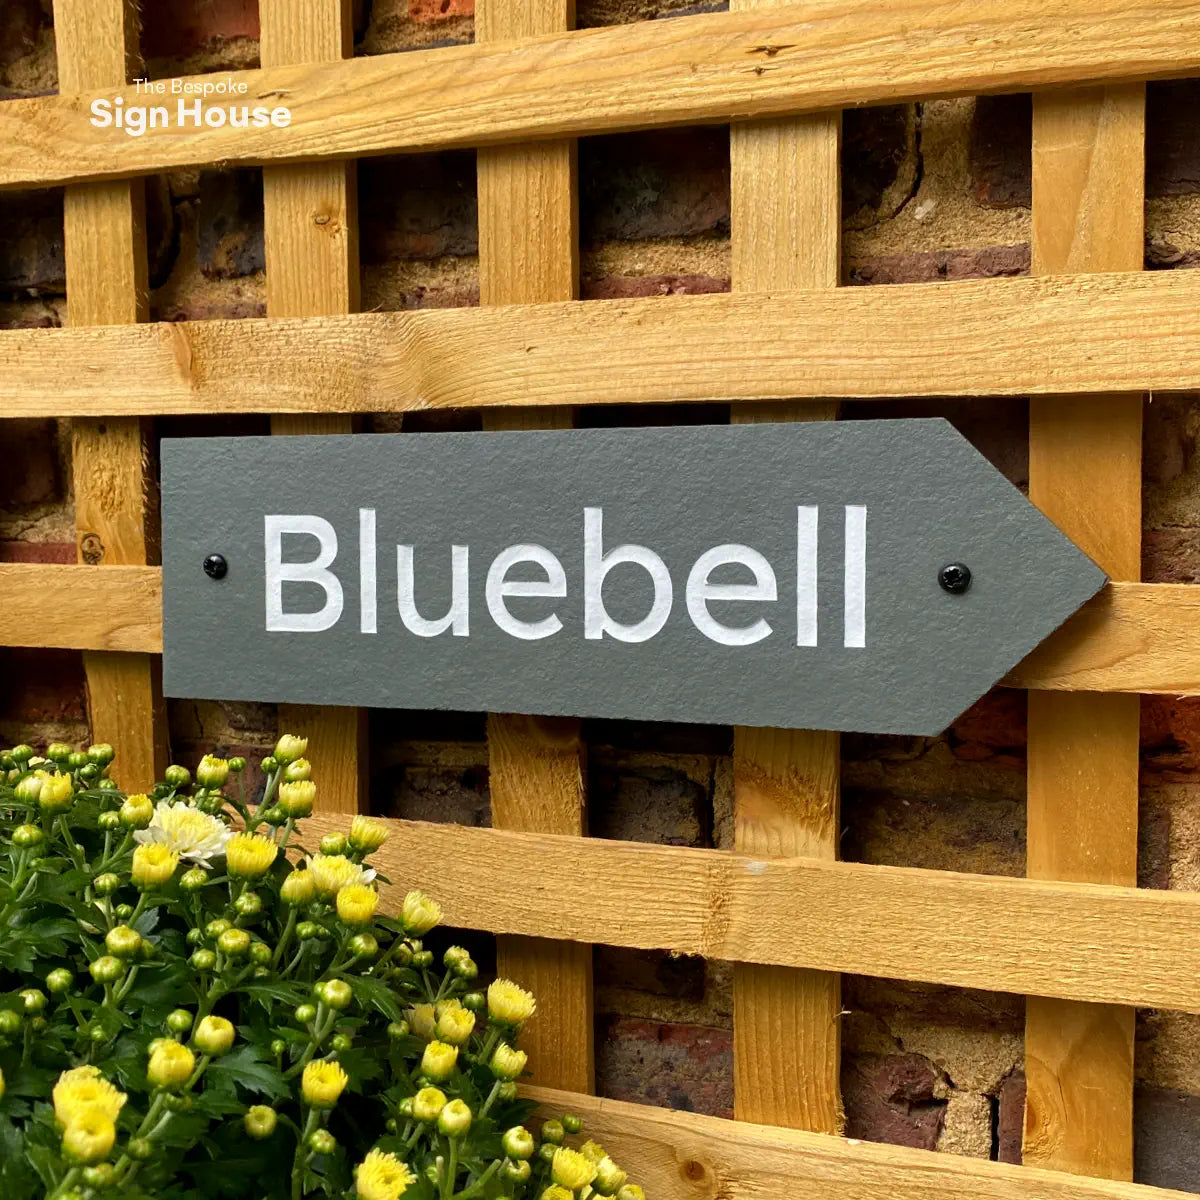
(787, 575)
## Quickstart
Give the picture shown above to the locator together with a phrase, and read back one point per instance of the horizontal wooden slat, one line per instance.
(709, 67)
(1077, 941)
(1134, 637)
(81, 607)
(686, 1156)
(1015, 337)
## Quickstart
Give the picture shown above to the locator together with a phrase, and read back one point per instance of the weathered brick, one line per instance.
(1172, 138)
(20, 22)
(230, 223)
(418, 206)
(41, 687)
(1171, 555)
(930, 266)
(1166, 1140)
(440, 10)
(890, 1098)
(417, 793)
(626, 287)
(656, 972)
(1010, 1118)
(687, 1067)
(29, 451)
(875, 143)
(1000, 154)
(649, 804)
(31, 250)
(183, 27)
(12, 550)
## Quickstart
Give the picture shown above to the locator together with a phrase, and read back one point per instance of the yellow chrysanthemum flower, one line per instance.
(332, 872)
(195, 836)
(171, 1064)
(153, 865)
(89, 1138)
(593, 1151)
(83, 1088)
(297, 797)
(508, 1064)
(1, 1085)
(419, 914)
(554, 1192)
(438, 1061)
(422, 1020)
(571, 1170)
(250, 855)
(322, 1083)
(298, 888)
(509, 1003)
(382, 1176)
(357, 903)
(367, 834)
(290, 747)
(455, 1025)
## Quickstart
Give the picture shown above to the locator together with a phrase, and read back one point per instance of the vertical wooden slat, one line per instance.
(311, 230)
(105, 247)
(528, 251)
(1085, 474)
(786, 226)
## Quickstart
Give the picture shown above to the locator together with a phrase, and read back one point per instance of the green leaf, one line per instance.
(374, 993)
(250, 1068)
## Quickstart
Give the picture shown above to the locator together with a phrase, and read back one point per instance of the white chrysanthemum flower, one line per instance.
(194, 836)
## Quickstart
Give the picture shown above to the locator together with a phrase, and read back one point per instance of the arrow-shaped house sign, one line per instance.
(876, 575)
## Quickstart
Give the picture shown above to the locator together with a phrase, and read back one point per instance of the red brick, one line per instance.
(890, 1098)
(40, 687)
(1172, 147)
(178, 28)
(1170, 735)
(31, 251)
(29, 450)
(929, 266)
(418, 206)
(1010, 1119)
(1000, 153)
(875, 143)
(20, 22)
(624, 287)
(1171, 555)
(440, 10)
(37, 552)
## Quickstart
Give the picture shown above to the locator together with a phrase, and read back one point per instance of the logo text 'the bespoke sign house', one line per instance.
(875, 576)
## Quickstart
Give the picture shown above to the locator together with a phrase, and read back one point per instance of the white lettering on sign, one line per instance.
(700, 590)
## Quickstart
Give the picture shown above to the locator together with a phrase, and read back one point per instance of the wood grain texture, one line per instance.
(529, 253)
(685, 1156)
(1072, 940)
(105, 251)
(785, 183)
(993, 337)
(310, 213)
(1085, 474)
(827, 54)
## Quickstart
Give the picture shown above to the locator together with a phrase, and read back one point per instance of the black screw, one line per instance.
(215, 566)
(955, 578)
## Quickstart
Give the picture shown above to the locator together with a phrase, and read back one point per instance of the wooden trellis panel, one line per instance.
(529, 252)
(311, 235)
(1085, 472)
(786, 233)
(105, 247)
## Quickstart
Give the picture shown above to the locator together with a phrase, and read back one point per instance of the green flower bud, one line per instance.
(516, 1172)
(32, 1000)
(177, 776)
(97, 1034)
(194, 937)
(212, 772)
(10, 1022)
(259, 1122)
(193, 879)
(248, 904)
(107, 969)
(261, 954)
(21, 753)
(333, 843)
(123, 941)
(274, 815)
(340, 1043)
(216, 927)
(29, 789)
(147, 949)
(203, 960)
(508, 1063)
(260, 972)
(110, 820)
(180, 1021)
(571, 1123)
(139, 1149)
(454, 955)
(234, 942)
(390, 1125)
(397, 1030)
(518, 1143)
(428, 1104)
(423, 959)
(108, 785)
(89, 773)
(177, 1103)
(305, 1014)
(609, 1177)
(278, 1047)
(298, 771)
(99, 1176)
(321, 1141)
(363, 945)
(337, 994)
(405, 1107)
(289, 748)
(553, 1132)
(455, 1119)
(506, 1091)
(214, 1036)
(237, 763)
(59, 981)
(307, 930)
(546, 1151)
(77, 759)
(57, 794)
(137, 811)
(101, 754)
(268, 764)
(58, 752)
(631, 1191)
(27, 836)
(212, 804)
(466, 970)
(123, 912)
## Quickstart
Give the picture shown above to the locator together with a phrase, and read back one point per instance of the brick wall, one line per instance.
(931, 191)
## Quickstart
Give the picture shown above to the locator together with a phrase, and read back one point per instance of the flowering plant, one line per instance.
(184, 1013)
